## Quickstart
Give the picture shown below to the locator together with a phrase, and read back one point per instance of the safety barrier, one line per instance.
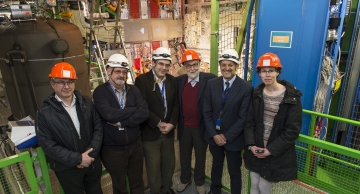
(324, 167)
(17, 174)
(327, 166)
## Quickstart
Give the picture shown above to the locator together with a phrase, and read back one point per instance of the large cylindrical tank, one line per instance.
(36, 38)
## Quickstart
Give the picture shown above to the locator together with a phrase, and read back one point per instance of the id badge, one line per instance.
(218, 124)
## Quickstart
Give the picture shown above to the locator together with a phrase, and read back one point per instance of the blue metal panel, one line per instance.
(307, 19)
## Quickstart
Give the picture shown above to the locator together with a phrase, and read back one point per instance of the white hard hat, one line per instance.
(162, 53)
(231, 55)
(118, 60)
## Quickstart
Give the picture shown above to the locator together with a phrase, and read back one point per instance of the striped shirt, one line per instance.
(271, 107)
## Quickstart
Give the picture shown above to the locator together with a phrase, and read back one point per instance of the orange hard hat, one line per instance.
(269, 60)
(63, 70)
(189, 55)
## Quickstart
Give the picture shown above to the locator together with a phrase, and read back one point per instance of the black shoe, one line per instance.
(170, 191)
(212, 192)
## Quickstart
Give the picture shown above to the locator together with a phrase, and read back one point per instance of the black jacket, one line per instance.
(281, 164)
(232, 121)
(145, 83)
(135, 112)
(57, 134)
(181, 80)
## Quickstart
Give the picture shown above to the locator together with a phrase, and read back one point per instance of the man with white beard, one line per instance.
(191, 126)
(122, 109)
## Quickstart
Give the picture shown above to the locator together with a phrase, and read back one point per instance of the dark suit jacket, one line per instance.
(234, 113)
(181, 80)
(145, 83)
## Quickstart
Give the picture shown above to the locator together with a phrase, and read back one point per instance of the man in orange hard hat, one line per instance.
(69, 131)
(191, 126)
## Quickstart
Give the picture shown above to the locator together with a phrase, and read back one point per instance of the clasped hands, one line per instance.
(165, 128)
(265, 153)
(220, 139)
(86, 160)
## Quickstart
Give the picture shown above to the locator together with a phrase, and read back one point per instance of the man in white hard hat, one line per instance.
(225, 110)
(122, 108)
(160, 91)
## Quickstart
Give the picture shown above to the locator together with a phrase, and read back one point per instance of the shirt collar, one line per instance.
(114, 89)
(72, 103)
(231, 81)
(196, 79)
(156, 78)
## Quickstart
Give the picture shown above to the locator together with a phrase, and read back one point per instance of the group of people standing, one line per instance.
(126, 123)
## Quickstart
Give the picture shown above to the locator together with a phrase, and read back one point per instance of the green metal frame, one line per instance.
(342, 150)
(334, 118)
(242, 31)
(44, 169)
(25, 156)
(214, 37)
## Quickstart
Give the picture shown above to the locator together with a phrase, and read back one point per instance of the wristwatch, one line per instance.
(249, 147)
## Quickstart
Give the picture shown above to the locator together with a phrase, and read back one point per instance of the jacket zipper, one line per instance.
(126, 135)
(73, 126)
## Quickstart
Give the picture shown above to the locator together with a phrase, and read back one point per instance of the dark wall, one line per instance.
(35, 38)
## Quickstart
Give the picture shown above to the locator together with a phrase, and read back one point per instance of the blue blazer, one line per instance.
(181, 80)
(234, 113)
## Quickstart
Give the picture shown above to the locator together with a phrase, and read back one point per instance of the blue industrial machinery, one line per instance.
(349, 97)
(297, 31)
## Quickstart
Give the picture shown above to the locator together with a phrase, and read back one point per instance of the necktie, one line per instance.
(193, 83)
(227, 88)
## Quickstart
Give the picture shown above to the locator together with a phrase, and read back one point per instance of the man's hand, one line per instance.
(220, 139)
(167, 127)
(86, 160)
(161, 125)
(115, 124)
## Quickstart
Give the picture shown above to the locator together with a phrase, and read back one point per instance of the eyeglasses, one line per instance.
(161, 55)
(118, 72)
(62, 83)
(164, 65)
(271, 71)
(226, 56)
(190, 66)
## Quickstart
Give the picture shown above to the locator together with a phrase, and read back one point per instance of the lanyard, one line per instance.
(121, 101)
(162, 93)
(163, 97)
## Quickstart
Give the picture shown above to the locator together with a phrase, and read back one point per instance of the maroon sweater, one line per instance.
(189, 105)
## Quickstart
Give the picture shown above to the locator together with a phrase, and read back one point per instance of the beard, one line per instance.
(119, 81)
(193, 75)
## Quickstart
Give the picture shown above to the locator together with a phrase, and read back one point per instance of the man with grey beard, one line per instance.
(122, 109)
(191, 124)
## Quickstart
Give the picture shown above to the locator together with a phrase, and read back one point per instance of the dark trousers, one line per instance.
(160, 163)
(189, 139)
(80, 180)
(125, 162)
(234, 162)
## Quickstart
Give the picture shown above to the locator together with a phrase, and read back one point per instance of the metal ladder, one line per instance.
(100, 56)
